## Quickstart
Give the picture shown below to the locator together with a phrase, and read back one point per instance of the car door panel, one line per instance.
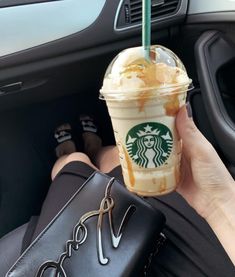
(213, 52)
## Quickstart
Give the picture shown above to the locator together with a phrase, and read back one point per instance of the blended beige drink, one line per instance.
(143, 98)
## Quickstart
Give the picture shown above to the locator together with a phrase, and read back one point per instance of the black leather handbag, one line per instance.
(103, 230)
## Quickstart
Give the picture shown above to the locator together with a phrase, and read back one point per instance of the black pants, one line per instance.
(191, 248)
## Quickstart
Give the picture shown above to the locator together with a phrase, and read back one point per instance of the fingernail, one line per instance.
(189, 110)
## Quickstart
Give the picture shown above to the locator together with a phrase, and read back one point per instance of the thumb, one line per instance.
(194, 142)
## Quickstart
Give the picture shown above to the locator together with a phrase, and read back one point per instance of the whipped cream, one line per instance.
(131, 72)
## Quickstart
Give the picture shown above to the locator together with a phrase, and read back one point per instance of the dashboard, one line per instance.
(33, 31)
(211, 6)
(27, 26)
(210, 11)
(54, 27)
(30, 25)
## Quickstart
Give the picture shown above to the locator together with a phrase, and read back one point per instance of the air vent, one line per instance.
(130, 12)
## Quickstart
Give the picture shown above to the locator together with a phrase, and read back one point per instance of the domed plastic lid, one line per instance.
(130, 73)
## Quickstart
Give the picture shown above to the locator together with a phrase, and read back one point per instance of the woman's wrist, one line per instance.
(222, 212)
(209, 203)
(222, 206)
(222, 222)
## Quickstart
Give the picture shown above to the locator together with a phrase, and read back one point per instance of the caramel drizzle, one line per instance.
(163, 186)
(172, 106)
(129, 168)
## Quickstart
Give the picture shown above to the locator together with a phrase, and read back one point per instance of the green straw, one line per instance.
(146, 27)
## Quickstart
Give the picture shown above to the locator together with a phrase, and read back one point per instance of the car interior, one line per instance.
(53, 57)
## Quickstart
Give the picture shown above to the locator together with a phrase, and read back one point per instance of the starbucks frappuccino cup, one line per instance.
(143, 99)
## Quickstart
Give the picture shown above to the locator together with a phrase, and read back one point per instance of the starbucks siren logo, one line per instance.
(149, 144)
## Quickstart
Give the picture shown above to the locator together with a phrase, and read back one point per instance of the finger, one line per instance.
(194, 143)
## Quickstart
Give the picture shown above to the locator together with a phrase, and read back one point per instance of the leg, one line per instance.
(66, 150)
(91, 139)
(59, 193)
(71, 171)
(62, 161)
(107, 158)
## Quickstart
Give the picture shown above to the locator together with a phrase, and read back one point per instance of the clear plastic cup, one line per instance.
(143, 99)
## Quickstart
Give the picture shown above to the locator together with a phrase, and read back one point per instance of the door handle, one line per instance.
(11, 88)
